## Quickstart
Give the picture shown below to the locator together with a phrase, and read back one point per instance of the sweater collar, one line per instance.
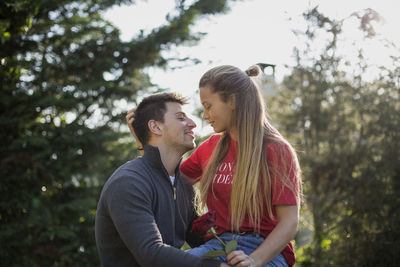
(152, 154)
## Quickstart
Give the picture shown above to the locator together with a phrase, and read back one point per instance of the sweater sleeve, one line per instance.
(130, 207)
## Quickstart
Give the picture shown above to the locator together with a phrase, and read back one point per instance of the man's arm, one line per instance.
(129, 205)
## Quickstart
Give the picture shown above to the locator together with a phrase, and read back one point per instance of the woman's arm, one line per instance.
(283, 233)
(130, 118)
(192, 181)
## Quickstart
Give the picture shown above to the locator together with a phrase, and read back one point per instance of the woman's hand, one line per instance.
(240, 259)
(130, 118)
(276, 241)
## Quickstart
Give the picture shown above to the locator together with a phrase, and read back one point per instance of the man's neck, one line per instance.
(170, 157)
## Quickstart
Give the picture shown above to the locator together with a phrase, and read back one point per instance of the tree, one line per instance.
(63, 70)
(348, 138)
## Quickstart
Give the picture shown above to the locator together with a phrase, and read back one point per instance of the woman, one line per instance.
(248, 173)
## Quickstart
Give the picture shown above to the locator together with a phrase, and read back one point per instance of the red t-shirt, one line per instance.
(194, 166)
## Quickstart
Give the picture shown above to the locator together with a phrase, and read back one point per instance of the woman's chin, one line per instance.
(218, 130)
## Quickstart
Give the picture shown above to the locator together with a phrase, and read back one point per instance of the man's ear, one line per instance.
(154, 127)
(232, 101)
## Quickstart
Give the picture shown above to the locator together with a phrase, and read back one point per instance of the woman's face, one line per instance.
(217, 112)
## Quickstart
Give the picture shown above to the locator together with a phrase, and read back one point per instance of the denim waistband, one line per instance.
(245, 233)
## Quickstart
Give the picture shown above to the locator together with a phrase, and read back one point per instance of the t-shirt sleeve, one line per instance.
(191, 167)
(194, 166)
(281, 163)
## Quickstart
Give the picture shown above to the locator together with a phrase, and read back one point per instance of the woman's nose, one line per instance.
(204, 116)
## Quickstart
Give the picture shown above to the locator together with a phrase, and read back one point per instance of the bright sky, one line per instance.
(252, 31)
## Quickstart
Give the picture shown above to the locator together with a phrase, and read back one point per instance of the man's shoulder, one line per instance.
(129, 173)
(129, 168)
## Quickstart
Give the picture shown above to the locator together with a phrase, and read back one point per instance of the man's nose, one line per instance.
(191, 123)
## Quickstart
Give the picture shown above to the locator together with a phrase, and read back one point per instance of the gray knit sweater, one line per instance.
(142, 219)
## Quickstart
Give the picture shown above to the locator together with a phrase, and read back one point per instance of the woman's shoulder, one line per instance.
(275, 145)
(207, 146)
(279, 147)
(212, 140)
(215, 137)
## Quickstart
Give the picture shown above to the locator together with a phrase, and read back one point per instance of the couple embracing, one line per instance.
(248, 175)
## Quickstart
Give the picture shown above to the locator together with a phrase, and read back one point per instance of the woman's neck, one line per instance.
(234, 134)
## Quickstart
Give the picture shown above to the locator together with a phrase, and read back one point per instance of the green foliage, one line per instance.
(63, 72)
(231, 246)
(347, 131)
(214, 254)
(227, 248)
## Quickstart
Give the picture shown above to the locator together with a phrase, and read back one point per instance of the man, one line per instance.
(145, 208)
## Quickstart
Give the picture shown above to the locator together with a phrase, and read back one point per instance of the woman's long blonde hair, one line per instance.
(251, 187)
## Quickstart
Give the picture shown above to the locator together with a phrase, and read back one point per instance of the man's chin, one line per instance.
(190, 146)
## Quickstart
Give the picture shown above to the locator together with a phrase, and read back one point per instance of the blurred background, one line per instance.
(70, 69)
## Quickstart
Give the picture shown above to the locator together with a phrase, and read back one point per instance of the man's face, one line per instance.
(177, 128)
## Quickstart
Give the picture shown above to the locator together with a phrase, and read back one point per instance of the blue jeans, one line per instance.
(248, 243)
